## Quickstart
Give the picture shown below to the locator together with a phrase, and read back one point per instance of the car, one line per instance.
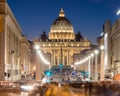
(45, 80)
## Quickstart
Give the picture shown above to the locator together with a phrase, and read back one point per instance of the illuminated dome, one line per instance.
(61, 28)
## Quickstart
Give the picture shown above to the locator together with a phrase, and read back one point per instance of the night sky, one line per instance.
(86, 16)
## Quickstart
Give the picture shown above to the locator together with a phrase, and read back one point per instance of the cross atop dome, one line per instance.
(61, 14)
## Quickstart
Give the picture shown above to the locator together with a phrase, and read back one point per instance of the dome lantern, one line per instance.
(61, 14)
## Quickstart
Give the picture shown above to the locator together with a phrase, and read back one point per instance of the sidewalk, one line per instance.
(77, 92)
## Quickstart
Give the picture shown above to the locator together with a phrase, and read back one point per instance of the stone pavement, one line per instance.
(54, 90)
(77, 92)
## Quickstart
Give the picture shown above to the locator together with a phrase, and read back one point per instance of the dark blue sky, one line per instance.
(86, 16)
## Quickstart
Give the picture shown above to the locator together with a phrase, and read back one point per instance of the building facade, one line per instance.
(111, 41)
(25, 56)
(115, 46)
(62, 42)
(10, 42)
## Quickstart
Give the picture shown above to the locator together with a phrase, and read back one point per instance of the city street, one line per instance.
(59, 48)
(78, 90)
(64, 89)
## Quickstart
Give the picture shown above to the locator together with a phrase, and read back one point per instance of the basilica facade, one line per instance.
(62, 43)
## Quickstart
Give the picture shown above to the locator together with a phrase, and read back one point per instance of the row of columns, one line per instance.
(94, 72)
(64, 59)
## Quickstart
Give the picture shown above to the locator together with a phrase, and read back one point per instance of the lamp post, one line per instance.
(118, 12)
(60, 66)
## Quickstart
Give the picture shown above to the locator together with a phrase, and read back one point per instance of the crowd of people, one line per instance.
(104, 88)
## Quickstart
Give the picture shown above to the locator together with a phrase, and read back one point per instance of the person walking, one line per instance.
(86, 88)
(90, 88)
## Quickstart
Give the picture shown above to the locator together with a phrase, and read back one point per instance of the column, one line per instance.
(67, 57)
(54, 57)
(19, 67)
(89, 67)
(96, 64)
(96, 68)
(92, 70)
(102, 66)
(12, 68)
(63, 58)
(38, 66)
(57, 57)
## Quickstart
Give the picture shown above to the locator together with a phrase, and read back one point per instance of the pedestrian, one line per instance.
(105, 89)
(86, 87)
(25, 74)
(68, 80)
(98, 89)
(90, 88)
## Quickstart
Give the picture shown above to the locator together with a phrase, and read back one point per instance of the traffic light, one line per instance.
(83, 73)
(48, 73)
(60, 65)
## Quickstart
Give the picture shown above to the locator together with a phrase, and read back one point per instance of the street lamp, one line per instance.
(101, 47)
(118, 12)
(92, 55)
(36, 47)
(72, 65)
